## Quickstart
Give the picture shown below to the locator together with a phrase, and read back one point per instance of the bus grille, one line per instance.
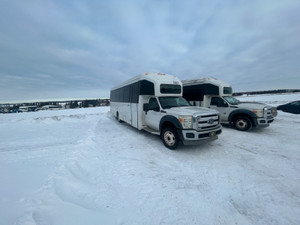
(207, 122)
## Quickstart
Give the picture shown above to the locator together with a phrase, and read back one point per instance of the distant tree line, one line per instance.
(278, 91)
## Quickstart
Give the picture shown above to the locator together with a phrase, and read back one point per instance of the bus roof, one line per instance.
(160, 78)
(205, 80)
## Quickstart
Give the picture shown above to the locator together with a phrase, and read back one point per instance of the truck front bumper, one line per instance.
(194, 137)
(263, 122)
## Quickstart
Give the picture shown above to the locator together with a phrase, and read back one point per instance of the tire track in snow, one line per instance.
(75, 182)
(85, 180)
(71, 183)
(142, 170)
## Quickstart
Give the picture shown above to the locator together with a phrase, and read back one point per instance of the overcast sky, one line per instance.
(81, 49)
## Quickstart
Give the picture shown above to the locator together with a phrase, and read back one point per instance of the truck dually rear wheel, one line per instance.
(242, 123)
(170, 138)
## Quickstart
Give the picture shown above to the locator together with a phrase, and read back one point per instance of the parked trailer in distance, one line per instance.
(153, 102)
(27, 108)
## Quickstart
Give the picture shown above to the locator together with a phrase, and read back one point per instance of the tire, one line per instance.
(242, 123)
(118, 118)
(170, 138)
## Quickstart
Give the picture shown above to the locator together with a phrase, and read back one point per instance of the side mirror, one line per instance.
(146, 107)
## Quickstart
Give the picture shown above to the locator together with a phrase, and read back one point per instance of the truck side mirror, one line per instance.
(146, 107)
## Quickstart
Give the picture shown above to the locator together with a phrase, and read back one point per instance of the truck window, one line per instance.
(218, 102)
(232, 100)
(153, 105)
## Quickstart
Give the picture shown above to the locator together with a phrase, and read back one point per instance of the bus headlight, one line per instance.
(186, 122)
(259, 112)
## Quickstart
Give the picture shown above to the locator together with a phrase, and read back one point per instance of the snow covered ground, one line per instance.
(80, 166)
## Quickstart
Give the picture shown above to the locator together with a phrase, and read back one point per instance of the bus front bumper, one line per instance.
(193, 137)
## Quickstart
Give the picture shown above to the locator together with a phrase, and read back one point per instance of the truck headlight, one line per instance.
(259, 112)
(186, 122)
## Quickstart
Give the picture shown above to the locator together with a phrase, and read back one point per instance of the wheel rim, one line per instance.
(241, 124)
(169, 138)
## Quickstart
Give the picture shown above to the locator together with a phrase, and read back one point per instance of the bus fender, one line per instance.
(249, 113)
(171, 120)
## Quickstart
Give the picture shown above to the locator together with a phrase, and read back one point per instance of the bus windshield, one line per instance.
(231, 100)
(169, 102)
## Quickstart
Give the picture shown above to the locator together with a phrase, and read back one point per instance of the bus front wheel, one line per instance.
(242, 123)
(170, 138)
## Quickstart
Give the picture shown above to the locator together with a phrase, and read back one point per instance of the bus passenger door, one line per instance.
(134, 115)
(134, 105)
(152, 117)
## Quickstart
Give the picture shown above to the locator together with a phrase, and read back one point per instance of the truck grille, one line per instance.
(269, 114)
(207, 122)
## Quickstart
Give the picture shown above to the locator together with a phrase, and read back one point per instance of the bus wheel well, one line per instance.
(167, 124)
(242, 115)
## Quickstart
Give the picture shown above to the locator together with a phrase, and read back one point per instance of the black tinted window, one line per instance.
(169, 102)
(227, 90)
(153, 104)
(170, 89)
(218, 102)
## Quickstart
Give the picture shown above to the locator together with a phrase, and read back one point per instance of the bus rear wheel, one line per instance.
(118, 117)
(170, 138)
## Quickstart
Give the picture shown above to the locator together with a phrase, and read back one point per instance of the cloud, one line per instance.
(77, 48)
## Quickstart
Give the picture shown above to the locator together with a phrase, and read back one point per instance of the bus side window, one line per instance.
(153, 105)
(219, 102)
(214, 101)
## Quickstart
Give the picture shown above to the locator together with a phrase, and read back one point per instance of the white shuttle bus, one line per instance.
(216, 94)
(153, 102)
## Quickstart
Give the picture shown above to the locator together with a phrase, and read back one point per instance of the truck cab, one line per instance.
(174, 119)
(215, 94)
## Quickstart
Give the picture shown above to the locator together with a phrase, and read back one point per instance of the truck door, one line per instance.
(222, 106)
(153, 115)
